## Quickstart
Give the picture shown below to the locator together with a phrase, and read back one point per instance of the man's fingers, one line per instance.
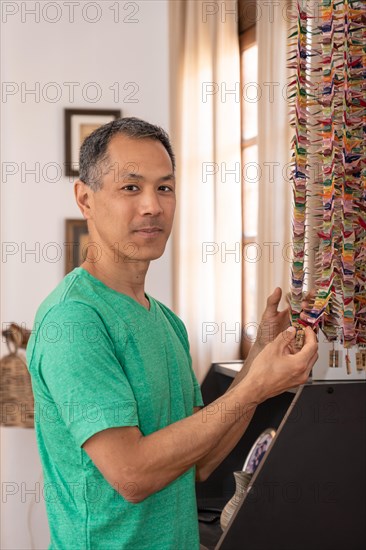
(310, 346)
(273, 300)
(310, 336)
(284, 316)
(285, 338)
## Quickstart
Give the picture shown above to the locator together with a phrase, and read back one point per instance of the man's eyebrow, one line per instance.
(139, 177)
(168, 177)
(131, 175)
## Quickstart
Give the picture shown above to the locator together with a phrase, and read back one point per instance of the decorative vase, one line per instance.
(242, 480)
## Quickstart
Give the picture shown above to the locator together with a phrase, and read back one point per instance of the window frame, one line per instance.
(247, 38)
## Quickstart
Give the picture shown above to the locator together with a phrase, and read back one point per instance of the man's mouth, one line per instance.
(149, 231)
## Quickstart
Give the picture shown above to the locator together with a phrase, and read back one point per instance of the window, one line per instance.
(249, 159)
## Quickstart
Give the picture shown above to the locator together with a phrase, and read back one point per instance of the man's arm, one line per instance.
(212, 460)
(272, 323)
(127, 459)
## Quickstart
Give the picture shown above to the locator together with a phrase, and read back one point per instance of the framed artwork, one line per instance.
(76, 243)
(80, 123)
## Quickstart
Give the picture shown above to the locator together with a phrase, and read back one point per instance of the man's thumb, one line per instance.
(274, 299)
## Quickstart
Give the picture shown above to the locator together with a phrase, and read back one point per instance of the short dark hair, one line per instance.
(93, 152)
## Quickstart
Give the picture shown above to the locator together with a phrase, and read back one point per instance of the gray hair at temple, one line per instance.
(94, 159)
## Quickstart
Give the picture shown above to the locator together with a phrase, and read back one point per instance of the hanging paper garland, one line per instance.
(300, 172)
(329, 61)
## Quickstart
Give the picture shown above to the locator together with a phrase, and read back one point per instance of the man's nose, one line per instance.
(150, 203)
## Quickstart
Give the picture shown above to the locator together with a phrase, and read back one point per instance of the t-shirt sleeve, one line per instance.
(198, 401)
(78, 373)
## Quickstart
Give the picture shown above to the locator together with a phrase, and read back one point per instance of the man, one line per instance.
(119, 426)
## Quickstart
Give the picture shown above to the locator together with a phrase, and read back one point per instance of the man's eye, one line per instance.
(165, 188)
(130, 187)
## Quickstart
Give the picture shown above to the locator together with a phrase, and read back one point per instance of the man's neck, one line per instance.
(124, 277)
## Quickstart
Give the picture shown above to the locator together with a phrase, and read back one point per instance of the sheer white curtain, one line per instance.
(205, 129)
(274, 150)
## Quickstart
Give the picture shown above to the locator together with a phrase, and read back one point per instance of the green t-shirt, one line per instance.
(98, 359)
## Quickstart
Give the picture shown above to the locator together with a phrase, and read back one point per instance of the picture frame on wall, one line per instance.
(76, 243)
(80, 123)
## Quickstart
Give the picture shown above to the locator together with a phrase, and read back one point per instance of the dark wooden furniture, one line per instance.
(310, 489)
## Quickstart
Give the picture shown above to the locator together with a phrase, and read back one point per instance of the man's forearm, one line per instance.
(211, 461)
(226, 419)
(235, 431)
(151, 462)
(187, 442)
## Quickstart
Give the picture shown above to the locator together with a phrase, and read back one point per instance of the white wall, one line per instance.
(112, 50)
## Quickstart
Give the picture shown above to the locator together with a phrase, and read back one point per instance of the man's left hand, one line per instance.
(273, 321)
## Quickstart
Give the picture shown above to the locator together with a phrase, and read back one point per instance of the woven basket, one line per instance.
(16, 397)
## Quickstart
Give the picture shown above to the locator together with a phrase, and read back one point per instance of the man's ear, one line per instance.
(84, 198)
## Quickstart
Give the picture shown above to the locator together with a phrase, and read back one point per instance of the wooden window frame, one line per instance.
(246, 39)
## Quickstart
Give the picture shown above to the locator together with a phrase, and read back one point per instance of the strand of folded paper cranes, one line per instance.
(328, 94)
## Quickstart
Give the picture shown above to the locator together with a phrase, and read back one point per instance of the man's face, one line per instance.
(132, 215)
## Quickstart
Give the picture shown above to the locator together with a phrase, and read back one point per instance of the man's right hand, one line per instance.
(276, 368)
